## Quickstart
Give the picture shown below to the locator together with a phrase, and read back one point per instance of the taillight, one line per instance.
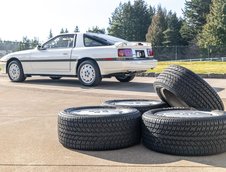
(150, 52)
(125, 53)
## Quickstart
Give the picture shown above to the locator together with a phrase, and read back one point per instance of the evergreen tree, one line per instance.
(25, 44)
(96, 29)
(158, 26)
(34, 42)
(76, 29)
(172, 34)
(50, 34)
(142, 18)
(130, 21)
(66, 31)
(214, 32)
(62, 30)
(195, 14)
(187, 33)
(119, 22)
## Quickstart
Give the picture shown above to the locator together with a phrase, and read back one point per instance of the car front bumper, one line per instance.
(2, 67)
(126, 66)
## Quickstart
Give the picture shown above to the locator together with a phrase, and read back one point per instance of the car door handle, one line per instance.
(65, 54)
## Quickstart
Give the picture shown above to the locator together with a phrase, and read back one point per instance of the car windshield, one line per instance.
(106, 38)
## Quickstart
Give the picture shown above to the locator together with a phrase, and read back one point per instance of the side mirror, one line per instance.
(40, 47)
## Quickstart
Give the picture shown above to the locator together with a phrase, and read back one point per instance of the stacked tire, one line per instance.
(189, 120)
(196, 123)
(99, 128)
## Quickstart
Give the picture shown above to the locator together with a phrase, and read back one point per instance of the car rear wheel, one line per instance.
(15, 71)
(89, 73)
(125, 77)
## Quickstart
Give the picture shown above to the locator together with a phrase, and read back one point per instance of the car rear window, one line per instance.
(91, 42)
(96, 39)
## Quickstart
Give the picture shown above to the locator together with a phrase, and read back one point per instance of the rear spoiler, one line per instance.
(122, 44)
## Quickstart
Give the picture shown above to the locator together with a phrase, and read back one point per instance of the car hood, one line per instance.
(17, 54)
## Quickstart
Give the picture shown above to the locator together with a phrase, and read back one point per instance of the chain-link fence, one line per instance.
(170, 53)
(185, 53)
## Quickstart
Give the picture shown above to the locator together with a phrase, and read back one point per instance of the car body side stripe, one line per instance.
(97, 59)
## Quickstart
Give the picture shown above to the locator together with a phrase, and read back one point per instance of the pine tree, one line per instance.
(96, 29)
(142, 19)
(195, 14)
(50, 34)
(214, 32)
(66, 31)
(34, 42)
(120, 23)
(172, 35)
(62, 31)
(76, 29)
(158, 26)
(130, 21)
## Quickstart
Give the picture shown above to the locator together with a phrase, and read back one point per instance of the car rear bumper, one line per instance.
(2, 67)
(126, 66)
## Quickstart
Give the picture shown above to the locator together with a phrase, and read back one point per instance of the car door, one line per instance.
(54, 56)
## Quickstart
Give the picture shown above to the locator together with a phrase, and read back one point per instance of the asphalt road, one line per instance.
(28, 129)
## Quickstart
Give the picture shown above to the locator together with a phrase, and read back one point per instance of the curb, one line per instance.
(211, 75)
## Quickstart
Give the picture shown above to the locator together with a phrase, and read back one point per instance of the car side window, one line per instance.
(90, 42)
(63, 41)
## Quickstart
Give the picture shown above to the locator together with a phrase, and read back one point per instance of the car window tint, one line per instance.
(90, 42)
(63, 41)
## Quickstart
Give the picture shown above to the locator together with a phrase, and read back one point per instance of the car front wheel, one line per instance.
(89, 73)
(15, 71)
(125, 78)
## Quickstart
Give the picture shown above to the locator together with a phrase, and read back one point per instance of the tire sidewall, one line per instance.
(98, 77)
(22, 76)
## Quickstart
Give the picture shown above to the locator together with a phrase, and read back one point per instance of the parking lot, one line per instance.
(28, 129)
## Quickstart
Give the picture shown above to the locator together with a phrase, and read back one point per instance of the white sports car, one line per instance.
(89, 56)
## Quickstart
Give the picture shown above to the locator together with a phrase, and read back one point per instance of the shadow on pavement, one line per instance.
(141, 155)
(105, 85)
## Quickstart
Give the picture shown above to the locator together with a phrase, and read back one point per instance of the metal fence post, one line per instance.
(208, 49)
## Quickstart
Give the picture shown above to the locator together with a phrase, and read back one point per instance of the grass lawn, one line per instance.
(197, 67)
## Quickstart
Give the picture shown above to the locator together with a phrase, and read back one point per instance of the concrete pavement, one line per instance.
(28, 129)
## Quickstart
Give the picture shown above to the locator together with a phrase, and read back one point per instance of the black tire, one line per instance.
(140, 104)
(95, 80)
(55, 77)
(182, 131)
(180, 87)
(15, 71)
(102, 130)
(125, 77)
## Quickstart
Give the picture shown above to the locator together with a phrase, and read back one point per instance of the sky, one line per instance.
(35, 18)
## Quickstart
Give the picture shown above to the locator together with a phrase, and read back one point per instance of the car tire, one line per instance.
(89, 73)
(180, 87)
(142, 105)
(55, 77)
(125, 78)
(99, 128)
(183, 131)
(15, 71)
